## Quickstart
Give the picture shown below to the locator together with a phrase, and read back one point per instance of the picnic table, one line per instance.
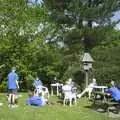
(100, 88)
(100, 91)
(57, 85)
(103, 100)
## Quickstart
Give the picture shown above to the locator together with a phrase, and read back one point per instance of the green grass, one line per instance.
(50, 112)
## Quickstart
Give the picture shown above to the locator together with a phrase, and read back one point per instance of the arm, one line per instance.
(107, 90)
(17, 81)
(17, 84)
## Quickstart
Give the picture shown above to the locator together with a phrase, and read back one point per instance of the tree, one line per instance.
(84, 25)
(106, 66)
(24, 32)
(47, 37)
(82, 18)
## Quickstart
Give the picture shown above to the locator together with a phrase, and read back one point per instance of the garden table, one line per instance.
(57, 85)
(100, 88)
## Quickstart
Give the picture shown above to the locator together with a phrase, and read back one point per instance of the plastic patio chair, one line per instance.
(41, 90)
(68, 95)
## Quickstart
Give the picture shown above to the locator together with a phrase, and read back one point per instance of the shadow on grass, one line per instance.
(56, 103)
(102, 108)
(60, 102)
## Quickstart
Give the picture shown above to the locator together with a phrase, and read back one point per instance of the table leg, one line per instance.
(102, 90)
(51, 91)
(57, 91)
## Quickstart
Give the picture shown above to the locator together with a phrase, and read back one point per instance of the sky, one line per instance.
(117, 17)
(33, 1)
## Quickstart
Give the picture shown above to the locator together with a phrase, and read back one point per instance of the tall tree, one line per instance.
(84, 24)
(83, 18)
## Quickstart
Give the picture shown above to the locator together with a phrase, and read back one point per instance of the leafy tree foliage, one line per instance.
(24, 31)
(106, 67)
(82, 22)
(47, 38)
(80, 19)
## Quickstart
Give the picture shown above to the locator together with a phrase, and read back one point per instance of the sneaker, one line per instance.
(14, 106)
(19, 95)
(78, 96)
(9, 105)
(1, 104)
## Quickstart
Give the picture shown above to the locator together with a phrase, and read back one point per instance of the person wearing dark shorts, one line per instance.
(12, 86)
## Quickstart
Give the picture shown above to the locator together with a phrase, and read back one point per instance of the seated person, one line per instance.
(34, 100)
(70, 82)
(114, 91)
(89, 89)
(37, 83)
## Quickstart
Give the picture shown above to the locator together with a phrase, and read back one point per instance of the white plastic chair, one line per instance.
(68, 95)
(41, 90)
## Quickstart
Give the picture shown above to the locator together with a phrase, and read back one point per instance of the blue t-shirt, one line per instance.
(115, 92)
(35, 100)
(37, 83)
(12, 77)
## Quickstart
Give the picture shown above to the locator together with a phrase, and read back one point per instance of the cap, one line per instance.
(13, 68)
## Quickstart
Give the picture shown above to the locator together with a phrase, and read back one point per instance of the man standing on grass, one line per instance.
(12, 87)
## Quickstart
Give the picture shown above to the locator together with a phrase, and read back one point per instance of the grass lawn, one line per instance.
(50, 112)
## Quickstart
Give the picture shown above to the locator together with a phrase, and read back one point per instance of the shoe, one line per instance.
(9, 105)
(14, 106)
(1, 104)
(79, 96)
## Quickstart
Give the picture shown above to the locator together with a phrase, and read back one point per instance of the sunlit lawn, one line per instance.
(50, 112)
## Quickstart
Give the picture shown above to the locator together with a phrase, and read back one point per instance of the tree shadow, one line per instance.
(102, 108)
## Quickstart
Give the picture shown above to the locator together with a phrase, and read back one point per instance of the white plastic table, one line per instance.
(102, 88)
(57, 85)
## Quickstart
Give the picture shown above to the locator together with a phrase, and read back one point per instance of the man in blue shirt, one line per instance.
(34, 100)
(114, 91)
(12, 86)
(37, 83)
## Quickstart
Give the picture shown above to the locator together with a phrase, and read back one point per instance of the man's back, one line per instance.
(12, 77)
(37, 83)
(35, 100)
(115, 93)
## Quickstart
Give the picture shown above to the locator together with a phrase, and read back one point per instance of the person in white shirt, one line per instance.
(88, 89)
